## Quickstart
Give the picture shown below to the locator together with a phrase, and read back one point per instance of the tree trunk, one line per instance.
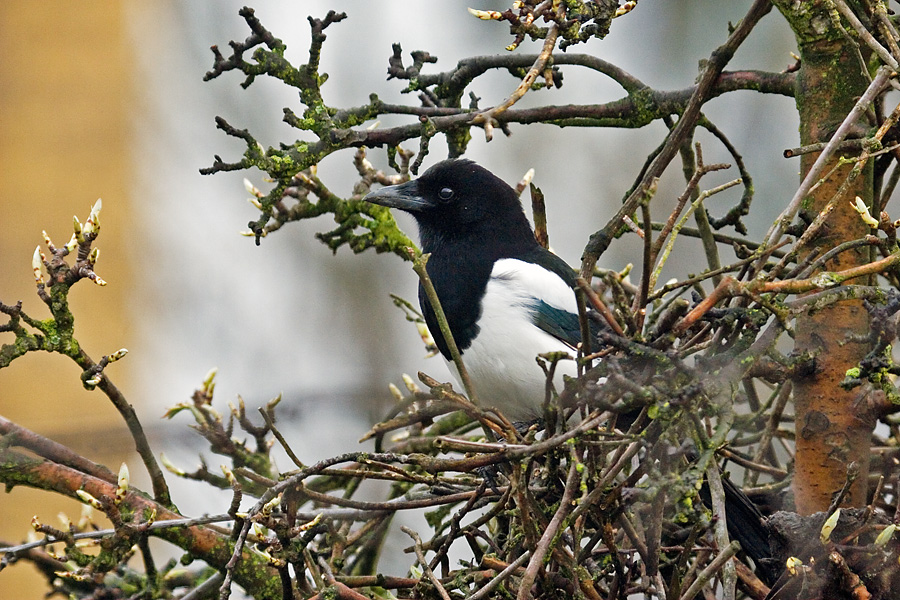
(832, 425)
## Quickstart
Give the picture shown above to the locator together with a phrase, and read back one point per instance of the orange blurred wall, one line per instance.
(65, 89)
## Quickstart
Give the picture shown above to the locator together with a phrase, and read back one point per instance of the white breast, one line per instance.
(502, 358)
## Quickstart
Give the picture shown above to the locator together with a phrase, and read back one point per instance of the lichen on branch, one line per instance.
(330, 129)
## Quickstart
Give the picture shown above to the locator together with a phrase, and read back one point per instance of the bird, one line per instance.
(506, 298)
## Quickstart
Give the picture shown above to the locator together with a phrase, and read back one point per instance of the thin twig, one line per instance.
(717, 495)
(709, 274)
(419, 266)
(787, 215)
(281, 440)
(865, 35)
(714, 66)
(203, 590)
(598, 304)
(100, 533)
(425, 567)
(543, 545)
(694, 205)
(141, 444)
(852, 144)
(488, 116)
(499, 578)
(711, 569)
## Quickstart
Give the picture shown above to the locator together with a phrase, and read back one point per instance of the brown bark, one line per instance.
(199, 541)
(833, 426)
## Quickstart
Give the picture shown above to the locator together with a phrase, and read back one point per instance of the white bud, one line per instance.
(210, 377)
(271, 505)
(527, 178)
(88, 499)
(229, 475)
(117, 355)
(486, 15)
(79, 230)
(626, 8)
(411, 384)
(122, 488)
(860, 207)
(311, 524)
(251, 189)
(829, 525)
(86, 517)
(73, 242)
(170, 466)
(36, 264)
(174, 574)
(73, 575)
(885, 536)
(94, 217)
(275, 562)
(259, 531)
(274, 401)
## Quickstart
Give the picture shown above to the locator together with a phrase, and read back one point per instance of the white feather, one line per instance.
(501, 360)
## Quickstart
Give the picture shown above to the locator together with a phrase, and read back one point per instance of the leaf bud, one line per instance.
(829, 525)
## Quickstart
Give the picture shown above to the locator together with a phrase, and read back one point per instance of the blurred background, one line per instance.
(106, 99)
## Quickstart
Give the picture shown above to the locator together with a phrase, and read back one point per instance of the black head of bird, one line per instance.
(457, 201)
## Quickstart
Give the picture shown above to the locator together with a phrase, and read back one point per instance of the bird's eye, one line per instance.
(445, 194)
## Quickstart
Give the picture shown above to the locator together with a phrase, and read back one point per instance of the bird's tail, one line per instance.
(747, 525)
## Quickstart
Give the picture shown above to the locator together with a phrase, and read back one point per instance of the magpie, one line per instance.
(506, 298)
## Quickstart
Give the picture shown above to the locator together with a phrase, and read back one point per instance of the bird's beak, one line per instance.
(404, 196)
